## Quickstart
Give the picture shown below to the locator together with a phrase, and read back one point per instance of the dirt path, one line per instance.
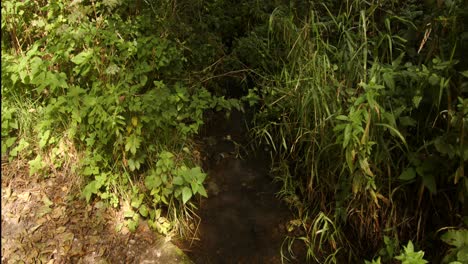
(44, 221)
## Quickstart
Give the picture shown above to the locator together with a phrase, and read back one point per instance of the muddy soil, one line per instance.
(242, 220)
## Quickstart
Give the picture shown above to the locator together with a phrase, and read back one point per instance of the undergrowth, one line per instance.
(367, 125)
(362, 103)
(109, 80)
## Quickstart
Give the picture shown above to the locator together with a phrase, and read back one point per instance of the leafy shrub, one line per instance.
(458, 239)
(114, 85)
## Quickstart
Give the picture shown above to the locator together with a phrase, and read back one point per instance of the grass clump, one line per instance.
(366, 125)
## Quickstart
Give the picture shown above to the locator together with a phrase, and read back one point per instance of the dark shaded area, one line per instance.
(242, 221)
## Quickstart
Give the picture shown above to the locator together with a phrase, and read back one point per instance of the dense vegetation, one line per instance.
(363, 105)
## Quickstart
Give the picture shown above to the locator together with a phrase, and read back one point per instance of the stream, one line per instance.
(242, 221)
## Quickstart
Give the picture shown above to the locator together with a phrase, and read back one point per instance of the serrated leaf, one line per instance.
(152, 182)
(44, 139)
(186, 194)
(456, 238)
(112, 69)
(133, 143)
(131, 164)
(35, 165)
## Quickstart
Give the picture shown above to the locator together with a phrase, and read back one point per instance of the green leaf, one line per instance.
(443, 147)
(408, 174)
(44, 138)
(202, 191)
(429, 182)
(129, 214)
(417, 100)
(133, 164)
(9, 142)
(35, 165)
(143, 210)
(456, 238)
(342, 118)
(434, 79)
(186, 194)
(90, 189)
(82, 57)
(407, 121)
(408, 256)
(194, 186)
(178, 180)
(347, 135)
(133, 143)
(132, 224)
(389, 81)
(187, 175)
(200, 176)
(136, 201)
(464, 73)
(152, 182)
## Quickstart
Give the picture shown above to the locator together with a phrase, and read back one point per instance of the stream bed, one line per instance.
(242, 220)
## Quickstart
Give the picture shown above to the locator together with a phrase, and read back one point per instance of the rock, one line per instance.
(164, 252)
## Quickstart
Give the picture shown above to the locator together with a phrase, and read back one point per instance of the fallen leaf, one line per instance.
(34, 228)
(60, 230)
(7, 192)
(36, 237)
(43, 210)
(65, 237)
(24, 196)
(41, 221)
(57, 212)
(46, 200)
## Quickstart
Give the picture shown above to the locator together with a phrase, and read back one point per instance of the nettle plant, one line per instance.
(114, 86)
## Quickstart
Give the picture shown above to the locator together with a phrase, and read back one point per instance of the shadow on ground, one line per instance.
(242, 221)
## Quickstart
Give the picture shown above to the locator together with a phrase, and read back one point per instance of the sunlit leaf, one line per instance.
(186, 194)
(82, 57)
(143, 210)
